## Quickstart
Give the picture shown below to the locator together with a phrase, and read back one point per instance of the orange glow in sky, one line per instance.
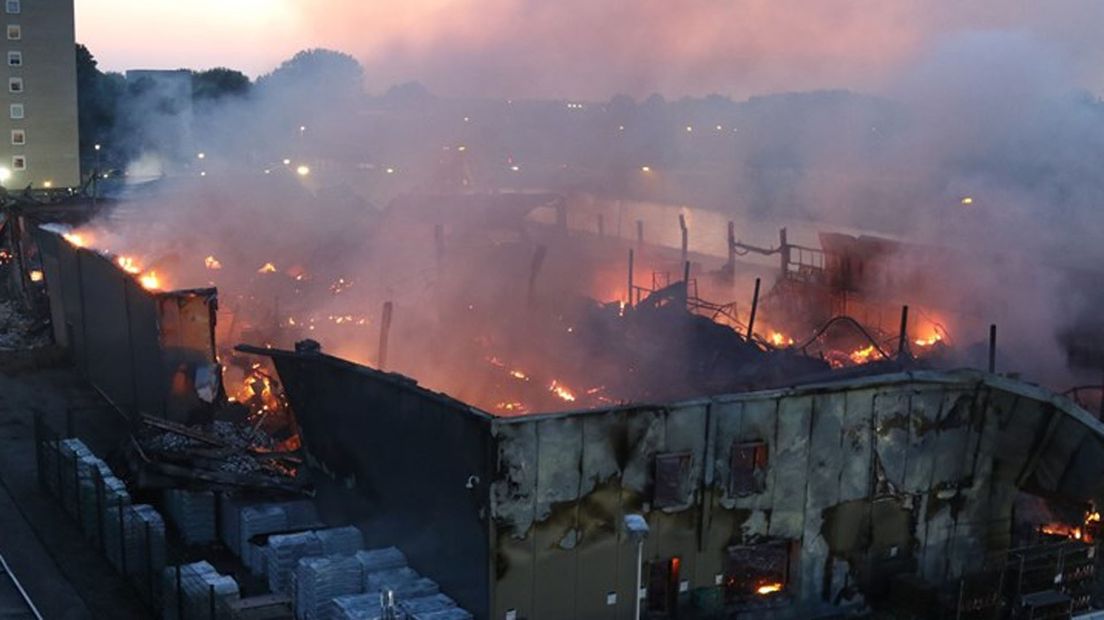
(582, 48)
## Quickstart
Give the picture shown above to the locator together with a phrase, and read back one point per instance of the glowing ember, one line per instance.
(212, 263)
(517, 374)
(76, 239)
(150, 281)
(927, 342)
(511, 407)
(561, 391)
(267, 268)
(1072, 532)
(36, 275)
(129, 265)
(862, 356)
(768, 588)
(779, 339)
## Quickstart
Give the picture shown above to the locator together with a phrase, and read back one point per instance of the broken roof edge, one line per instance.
(396, 379)
(966, 377)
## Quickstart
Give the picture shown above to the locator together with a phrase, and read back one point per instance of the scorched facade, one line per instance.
(781, 503)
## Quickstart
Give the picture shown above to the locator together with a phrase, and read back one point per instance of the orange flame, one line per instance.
(129, 265)
(267, 268)
(562, 391)
(779, 339)
(76, 239)
(150, 281)
(768, 588)
(212, 263)
(862, 356)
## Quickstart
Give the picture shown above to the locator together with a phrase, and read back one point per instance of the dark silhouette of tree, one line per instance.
(214, 84)
(97, 102)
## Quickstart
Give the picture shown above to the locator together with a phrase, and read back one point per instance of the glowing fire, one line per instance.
(129, 265)
(36, 275)
(150, 281)
(212, 263)
(1086, 531)
(520, 376)
(862, 356)
(927, 342)
(267, 268)
(562, 391)
(768, 588)
(779, 339)
(76, 239)
(511, 406)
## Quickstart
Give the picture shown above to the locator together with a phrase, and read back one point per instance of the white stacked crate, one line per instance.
(240, 521)
(71, 452)
(453, 613)
(193, 514)
(341, 540)
(354, 607)
(426, 604)
(318, 580)
(375, 560)
(283, 552)
(202, 590)
(90, 470)
(136, 522)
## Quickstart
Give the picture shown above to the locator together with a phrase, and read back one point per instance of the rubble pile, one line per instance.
(19, 330)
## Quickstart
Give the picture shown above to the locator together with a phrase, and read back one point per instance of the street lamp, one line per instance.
(638, 531)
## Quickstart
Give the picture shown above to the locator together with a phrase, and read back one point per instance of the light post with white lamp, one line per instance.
(637, 527)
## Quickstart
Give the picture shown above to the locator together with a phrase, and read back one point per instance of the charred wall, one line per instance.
(410, 467)
(911, 473)
(143, 350)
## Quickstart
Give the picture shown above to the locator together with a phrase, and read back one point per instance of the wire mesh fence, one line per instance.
(131, 536)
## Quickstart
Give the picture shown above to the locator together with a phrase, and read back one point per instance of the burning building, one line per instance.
(785, 502)
(771, 485)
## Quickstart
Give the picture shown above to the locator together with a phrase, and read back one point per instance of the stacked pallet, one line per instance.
(193, 514)
(70, 453)
(341, 540)
(99, 489)
(203, 593)
(426, 604)
(405, 582)
(134, 539)
(240, 521)
(319, 580)
(283, 552)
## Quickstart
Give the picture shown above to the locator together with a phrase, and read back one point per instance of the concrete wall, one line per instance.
(408, 466)
(140, 348)
(901, 473)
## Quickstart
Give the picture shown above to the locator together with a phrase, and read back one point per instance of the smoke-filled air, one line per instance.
(455, 199)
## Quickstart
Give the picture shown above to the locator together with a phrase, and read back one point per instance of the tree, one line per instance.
(317, 72)
(97, 101)
(214, 84)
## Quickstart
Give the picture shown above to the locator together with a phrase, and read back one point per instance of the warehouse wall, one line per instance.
(408, 466)
(901, 473)
(128, 341)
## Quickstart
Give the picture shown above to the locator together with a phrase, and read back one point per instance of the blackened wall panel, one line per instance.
(419, 462)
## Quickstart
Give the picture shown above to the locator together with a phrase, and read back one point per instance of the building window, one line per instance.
(15, 85)
(748, 468)
(19, 162)
(19, 137)
(16, 111)
(672, 479)
(14, 7)
(15, 59)
(15, 32)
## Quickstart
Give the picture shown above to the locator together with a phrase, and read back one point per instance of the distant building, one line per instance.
(39, 111)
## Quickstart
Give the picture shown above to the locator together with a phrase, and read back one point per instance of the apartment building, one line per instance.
(38, 116)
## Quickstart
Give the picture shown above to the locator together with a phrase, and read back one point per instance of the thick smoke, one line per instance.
(993, 116)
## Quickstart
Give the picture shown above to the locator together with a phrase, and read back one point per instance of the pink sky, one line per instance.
(585, 48)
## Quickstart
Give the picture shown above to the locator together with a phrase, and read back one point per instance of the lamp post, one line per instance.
(638, 531)
(96, 177)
